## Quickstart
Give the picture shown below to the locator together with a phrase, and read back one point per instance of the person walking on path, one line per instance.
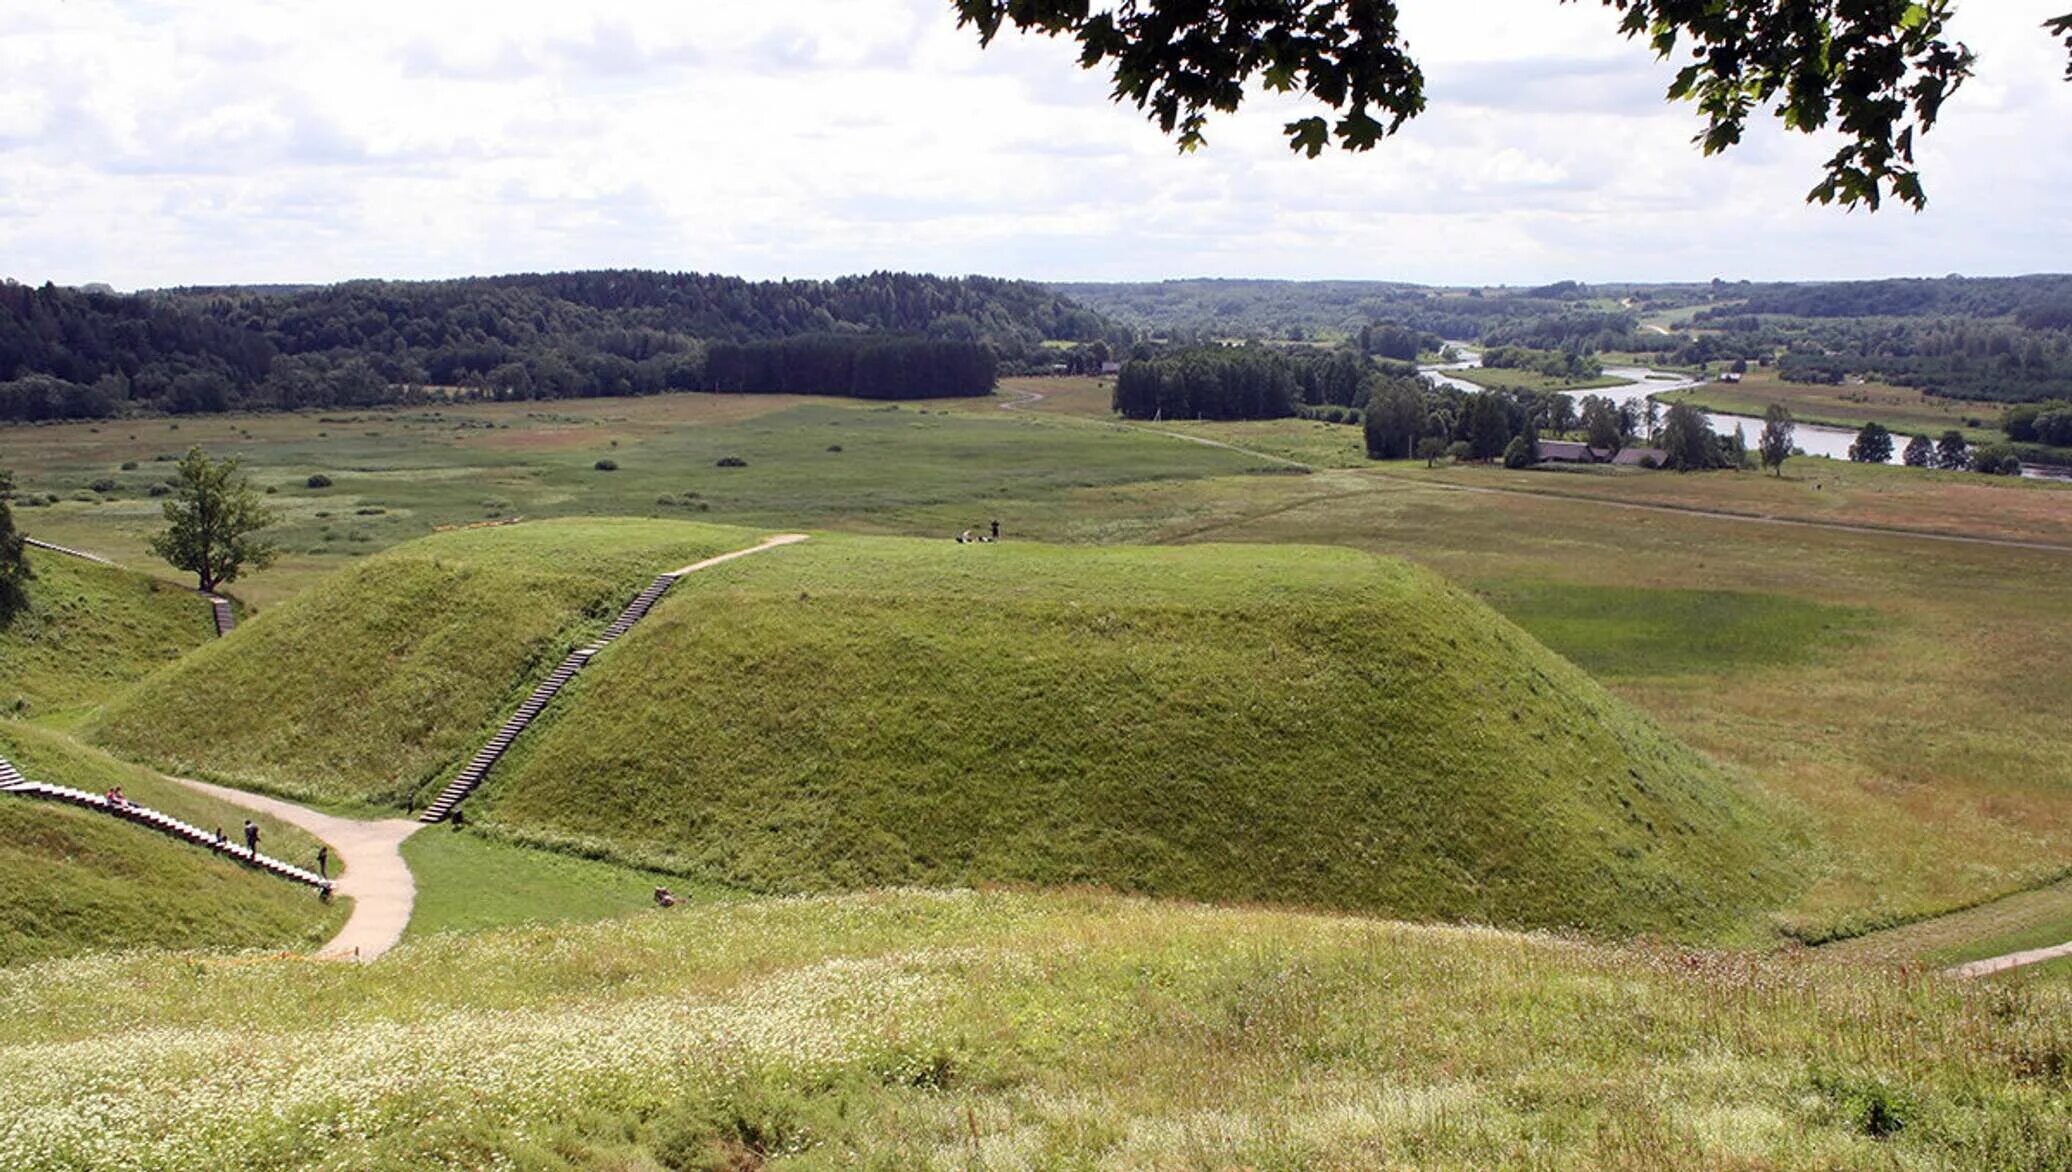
(323, 861)
(251, 838)
(996, 529)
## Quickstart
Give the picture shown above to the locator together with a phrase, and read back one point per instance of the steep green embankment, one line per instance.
(91, 630)
(1298, 725)
(371, 683)
(75, 881)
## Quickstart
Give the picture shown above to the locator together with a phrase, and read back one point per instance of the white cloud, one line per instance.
(243, 140)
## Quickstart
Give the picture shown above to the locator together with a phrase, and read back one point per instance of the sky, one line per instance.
(254, 141)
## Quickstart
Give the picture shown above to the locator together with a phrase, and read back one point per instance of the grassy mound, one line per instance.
(375, 682)
(75, 881)
(91, 630)
(1005, 1030)
(1304, 726)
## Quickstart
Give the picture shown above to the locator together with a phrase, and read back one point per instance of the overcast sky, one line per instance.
(238, 141)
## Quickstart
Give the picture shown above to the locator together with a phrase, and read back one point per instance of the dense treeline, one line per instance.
(864, 367)
(2044, 295)
(1208, 382)
(71, 353)
(1956, 358)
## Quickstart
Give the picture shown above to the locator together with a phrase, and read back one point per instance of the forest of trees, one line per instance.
(865, 367)
(70, 353)
(1208, 382)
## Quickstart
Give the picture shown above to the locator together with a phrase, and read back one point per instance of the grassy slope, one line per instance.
(918, 1030)
(378, 680)
(73, 881)
(1297, 725)
(89, 631)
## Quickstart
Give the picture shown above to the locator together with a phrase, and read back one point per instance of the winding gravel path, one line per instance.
(376, 876)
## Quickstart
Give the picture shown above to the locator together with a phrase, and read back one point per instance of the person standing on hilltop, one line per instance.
(996, 529)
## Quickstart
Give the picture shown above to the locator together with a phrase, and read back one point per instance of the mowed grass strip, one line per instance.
(1016, 1030)
(1293, 725)
(91, 630)
(466, 882)
(74, 881)
(369, 687)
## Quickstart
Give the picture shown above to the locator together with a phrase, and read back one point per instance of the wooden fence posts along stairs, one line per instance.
(472, 774)
(12, 781)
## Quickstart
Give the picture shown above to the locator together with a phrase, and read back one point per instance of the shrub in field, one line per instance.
(606, 465)
(318, 480)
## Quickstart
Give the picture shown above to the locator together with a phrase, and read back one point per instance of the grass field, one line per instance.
(1904, 410)
(466, 883)
(998, 1030)
(1905, 742)
(1292, 725)
(368, 687)
(75, 881)
(89, 631)
(399, 474)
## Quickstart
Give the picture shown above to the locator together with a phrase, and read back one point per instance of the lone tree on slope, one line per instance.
(1878, 69)
(210, 522)
(1775, 443)
(14, 560)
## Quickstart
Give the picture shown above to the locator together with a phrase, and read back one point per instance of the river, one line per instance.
(1642, 384)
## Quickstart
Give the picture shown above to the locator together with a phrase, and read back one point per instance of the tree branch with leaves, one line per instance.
(1877, 71)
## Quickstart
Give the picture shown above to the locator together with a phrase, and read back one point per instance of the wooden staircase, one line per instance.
(226, 619)
(67, 551)
(472, 774)
(12, 781)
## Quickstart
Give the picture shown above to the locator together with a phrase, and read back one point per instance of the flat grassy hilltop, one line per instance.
(91, 630)
(1293, 725)
(76, 881)
(366, 687)
(1023, 1030)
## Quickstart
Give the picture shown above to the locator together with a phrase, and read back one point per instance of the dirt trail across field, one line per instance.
(376, 877)
(2011, 960)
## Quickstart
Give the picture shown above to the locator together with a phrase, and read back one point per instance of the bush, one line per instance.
(1995, 460)
(105, 484)
(166, 489)
(318, 480)
(732, 462)
(607, 465)
(1460, 451)
(1518, 453)
(129, 465)
(834, 447)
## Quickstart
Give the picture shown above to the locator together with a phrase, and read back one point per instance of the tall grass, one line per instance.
(919, 1030)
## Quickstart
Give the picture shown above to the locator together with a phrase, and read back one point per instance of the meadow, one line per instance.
(1892, 701)
(1016, 1030)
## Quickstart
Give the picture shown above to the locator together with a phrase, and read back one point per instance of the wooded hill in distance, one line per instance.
(71, 353)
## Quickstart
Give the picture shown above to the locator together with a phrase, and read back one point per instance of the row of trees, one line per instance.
(1208, 383)
(860, 366)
